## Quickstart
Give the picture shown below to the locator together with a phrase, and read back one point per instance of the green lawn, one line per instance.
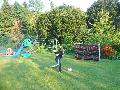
(34, 74)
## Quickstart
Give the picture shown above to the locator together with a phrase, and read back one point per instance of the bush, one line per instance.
(68, 49)
(6, 42)
(107, 50)
(39, 48)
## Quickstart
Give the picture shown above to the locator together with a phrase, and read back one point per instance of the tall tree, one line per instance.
(109, 5)
(104, 32)
(116, 18)
(64, 21)
(43, 25)
(6, 20)
(24, 15)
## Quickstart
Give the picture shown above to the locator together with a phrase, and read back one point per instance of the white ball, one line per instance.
(70, 69)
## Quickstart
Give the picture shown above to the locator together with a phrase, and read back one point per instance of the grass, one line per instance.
(34, 74)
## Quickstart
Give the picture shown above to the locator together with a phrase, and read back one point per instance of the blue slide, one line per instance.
(18, 51)
(26, 42)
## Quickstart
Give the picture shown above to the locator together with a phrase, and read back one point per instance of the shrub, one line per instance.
(107, 50)
(39, 48)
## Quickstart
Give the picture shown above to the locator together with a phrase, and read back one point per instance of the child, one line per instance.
(59, 55)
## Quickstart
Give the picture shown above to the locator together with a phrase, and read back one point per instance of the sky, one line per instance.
(82, 4)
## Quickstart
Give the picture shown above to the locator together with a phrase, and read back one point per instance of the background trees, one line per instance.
(6, 22)
(103, 23)
(63, 21)
(69, 25)
(6, 18)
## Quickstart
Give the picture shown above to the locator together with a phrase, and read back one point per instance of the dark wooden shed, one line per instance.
(87, 51)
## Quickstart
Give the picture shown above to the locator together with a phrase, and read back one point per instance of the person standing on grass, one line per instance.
(59, 55)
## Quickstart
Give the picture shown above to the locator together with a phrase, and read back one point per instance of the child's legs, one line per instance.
(59, 64)
(59, 67)
(56, 59)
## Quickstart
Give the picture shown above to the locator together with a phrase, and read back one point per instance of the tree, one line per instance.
(43, 25)
(6, 20)
(16, 34)
(24, 15)
(67, 21)
(21, 23)
(103, 29)
(63, 23)
(109, 5)
(92, 13)
(116, 18)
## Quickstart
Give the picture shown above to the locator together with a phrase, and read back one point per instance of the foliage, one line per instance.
(107, 50)
(61, 22)
(27, 25)
(42, 25)
(67, 20)
(109, 5)
(116, 20)
(4, 41)
(103, 23)
(39, 48)
(103, 31)
(6, 18)
(68, 44)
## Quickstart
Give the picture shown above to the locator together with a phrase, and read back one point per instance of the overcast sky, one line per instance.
(82, 4)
